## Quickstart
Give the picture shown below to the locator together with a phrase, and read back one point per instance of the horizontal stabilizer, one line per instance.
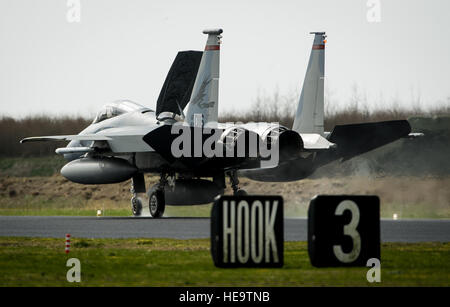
(82, 137)
(314, 141)
(355, 139)
(414, 135)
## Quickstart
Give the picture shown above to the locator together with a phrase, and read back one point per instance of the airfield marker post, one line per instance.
(67, 249)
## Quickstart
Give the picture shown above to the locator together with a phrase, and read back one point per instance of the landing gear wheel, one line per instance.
(241, 192)
(157, 203)
(136, 206)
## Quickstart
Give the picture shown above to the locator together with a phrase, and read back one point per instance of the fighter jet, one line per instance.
(193, 153)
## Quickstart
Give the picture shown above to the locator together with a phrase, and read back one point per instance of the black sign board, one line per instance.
(343, 230)
(247, 231)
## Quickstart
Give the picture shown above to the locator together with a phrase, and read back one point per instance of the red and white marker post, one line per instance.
(67, 243)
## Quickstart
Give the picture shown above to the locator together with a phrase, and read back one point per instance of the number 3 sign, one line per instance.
(343, 230)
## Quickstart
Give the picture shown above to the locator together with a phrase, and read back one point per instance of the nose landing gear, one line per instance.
(137, 186)
(136, 205)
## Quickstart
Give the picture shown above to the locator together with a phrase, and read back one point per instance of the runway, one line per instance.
(188, 228)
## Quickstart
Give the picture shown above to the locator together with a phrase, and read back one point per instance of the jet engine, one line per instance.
(289, 142)
(240, 142)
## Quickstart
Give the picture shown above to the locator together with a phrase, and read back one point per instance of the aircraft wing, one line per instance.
(83, 137)
(119, 140)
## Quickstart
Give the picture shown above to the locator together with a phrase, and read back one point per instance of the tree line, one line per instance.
(265, 109)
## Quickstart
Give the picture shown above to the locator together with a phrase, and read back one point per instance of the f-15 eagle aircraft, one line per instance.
(126, 139)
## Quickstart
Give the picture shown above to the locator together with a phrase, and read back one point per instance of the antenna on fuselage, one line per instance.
(181, 110)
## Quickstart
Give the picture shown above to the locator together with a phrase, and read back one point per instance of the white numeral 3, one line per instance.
(349, 230)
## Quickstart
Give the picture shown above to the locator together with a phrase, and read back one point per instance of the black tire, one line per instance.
(136, 206)
(156, 203)
(241, 192)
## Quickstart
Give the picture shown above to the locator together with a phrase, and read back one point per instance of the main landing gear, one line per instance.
(235, 184)
(156, 194)
(156, 198)
(156, 201)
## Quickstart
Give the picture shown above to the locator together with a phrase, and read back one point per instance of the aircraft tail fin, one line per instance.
(205, 94)
(310, 110)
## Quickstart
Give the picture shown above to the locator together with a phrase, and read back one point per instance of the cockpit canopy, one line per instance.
(116, 108)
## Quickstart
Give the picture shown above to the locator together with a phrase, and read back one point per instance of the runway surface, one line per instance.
(187, 228)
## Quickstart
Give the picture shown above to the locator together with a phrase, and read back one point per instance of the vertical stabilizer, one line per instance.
(205, 94)
(309, 116)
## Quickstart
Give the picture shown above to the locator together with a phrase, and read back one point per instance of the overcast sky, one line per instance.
(124, 48)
